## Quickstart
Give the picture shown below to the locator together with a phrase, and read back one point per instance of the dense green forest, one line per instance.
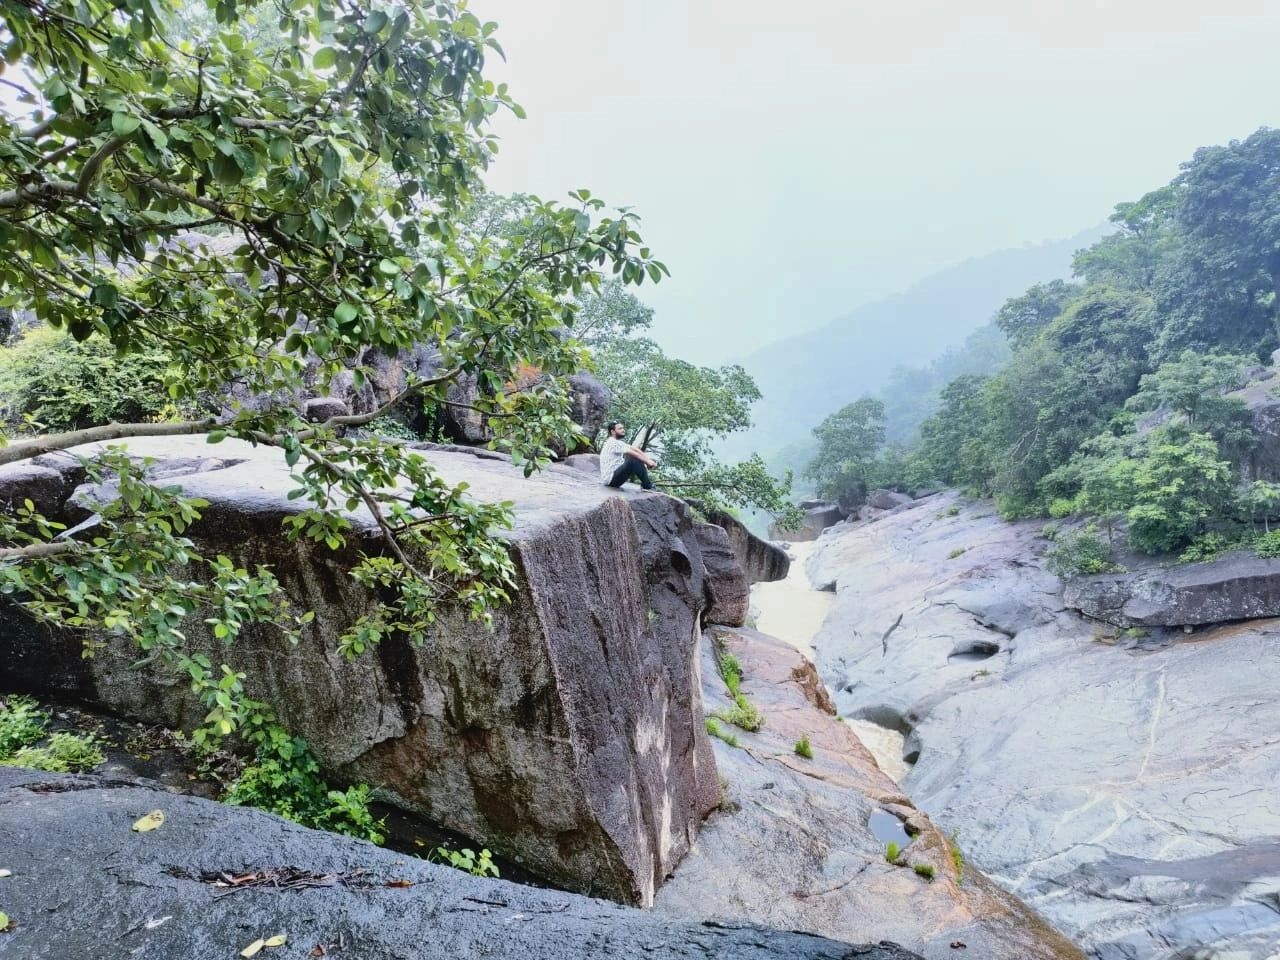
(1113, 404)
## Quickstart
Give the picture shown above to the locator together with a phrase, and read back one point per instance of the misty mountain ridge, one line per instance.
(805, 377)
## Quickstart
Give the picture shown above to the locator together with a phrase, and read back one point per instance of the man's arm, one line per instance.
(640, 455)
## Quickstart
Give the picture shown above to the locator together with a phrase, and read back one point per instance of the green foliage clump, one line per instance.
(285, 779)
(803, 748)
(924, 870)
(714, 729)
(1206, 547)
(23, 725)
(957, 552)
(48, 378)
(743, 714)
(64, 753)
(477, 864)
(731, 672)
(892, 852)
(1077, 553)
(1181, 483)
(1268, 545)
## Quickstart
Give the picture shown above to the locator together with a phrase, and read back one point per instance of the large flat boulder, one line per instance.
(793, 845)
(84, 886)
(1119, 782)
(1239, 586)
(568, 738)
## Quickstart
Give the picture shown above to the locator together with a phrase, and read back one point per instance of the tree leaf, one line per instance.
(253, 949)
(325, 58)
(279, 940)
(148, 822)
(123, 124)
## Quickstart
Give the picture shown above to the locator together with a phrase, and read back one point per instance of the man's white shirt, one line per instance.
(612, 455)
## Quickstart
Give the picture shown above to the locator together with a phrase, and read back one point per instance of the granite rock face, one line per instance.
(1238, 586)
(569, 738)
(84, 886)
(1123, 784)
(761, 560)
(728, 591)
(792, 845)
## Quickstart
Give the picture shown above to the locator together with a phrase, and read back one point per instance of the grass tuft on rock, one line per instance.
(924, 870)
(714, 729)
(803, 748)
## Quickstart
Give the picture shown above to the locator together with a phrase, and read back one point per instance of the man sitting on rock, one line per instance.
(620, 461)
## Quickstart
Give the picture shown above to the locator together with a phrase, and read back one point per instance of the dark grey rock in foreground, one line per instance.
(84, 886)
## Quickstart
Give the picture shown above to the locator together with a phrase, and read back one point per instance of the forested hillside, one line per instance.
(804, 377)
(1115, 405)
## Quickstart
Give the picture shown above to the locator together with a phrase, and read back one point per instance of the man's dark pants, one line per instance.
(631, 469)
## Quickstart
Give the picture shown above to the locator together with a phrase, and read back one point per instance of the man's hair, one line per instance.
(608, 427)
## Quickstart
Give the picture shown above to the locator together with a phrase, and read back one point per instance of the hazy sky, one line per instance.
(792, 160)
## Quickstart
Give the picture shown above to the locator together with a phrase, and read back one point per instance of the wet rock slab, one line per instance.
(1125, 789)
(85, 886)
(797, 842)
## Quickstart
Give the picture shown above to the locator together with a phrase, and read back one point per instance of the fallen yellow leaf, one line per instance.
(279, 940)
(149, 822)
(252, 949)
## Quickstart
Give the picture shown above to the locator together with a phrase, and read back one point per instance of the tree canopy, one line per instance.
(256, 211)
(1115, 401)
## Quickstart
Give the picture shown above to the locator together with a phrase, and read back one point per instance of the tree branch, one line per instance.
(35, 551)
(26, 449)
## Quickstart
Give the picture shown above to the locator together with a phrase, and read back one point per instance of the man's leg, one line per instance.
(631, 469)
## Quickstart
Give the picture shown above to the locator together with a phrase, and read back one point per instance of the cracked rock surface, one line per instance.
(84, 886)
(1124, 785)
(792, 845)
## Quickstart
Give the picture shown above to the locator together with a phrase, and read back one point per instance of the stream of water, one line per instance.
(793, 611)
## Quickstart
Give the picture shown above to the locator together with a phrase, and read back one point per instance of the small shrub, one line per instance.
(1268, 545)
(1050, 531)
(953, 511)
(957, 552)
(22, 723)
(957, 858)
(803, 748)
(714, 729)
(284, 779)
(393, 428)
(1079, 553)
(477, 864)
(731, 671)
(743, 714)
(892, 852)
(1206, 547)
(924, 870)
(65, 753)
(1060, 507)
